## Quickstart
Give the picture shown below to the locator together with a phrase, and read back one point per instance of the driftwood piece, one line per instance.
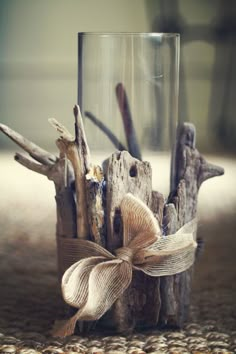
(129, 128)
(138, 307)
(124, 174)
(115, 141)
(189, 171)
(77, 152)
(189, 165)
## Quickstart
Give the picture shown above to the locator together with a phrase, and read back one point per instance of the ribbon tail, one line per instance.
(107, 282)
(68, 328)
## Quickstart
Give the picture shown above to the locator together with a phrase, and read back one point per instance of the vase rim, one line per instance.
(138, 34)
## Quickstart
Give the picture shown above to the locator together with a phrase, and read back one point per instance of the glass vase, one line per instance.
(128, 93)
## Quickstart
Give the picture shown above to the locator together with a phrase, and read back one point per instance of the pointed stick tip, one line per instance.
(2, 126)
(16, 157)
(75, 111)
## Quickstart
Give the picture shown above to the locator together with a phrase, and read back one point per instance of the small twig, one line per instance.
(106, 131)
(31, 165)
(55, 173)
(34, 150)
(128, 122)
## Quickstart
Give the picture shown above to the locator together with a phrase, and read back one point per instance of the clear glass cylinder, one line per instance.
(128, 90)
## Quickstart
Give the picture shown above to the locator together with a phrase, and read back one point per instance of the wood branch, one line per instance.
(33, 150)
(139, 305)
(96, 209)
(118, 145)
(130, 133)
(68, 145)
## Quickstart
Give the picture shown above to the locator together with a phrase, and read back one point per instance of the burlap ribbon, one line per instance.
(99, 278)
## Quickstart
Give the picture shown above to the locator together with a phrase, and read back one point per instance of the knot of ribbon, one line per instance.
(125, 254)
(99, 278)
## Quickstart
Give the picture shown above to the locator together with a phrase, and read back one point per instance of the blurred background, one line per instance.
(38, 80)
(38, 60)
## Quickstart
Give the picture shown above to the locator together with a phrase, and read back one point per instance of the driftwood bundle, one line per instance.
(88, 202)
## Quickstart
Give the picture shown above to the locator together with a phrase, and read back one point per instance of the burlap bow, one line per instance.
(99, 278)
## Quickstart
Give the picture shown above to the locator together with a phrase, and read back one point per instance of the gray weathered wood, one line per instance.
(191, 166)
(189, 171)
(138, 307)
(76, 151)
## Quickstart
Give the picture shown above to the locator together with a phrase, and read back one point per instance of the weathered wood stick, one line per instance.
(130, 133)
(87, 220)
(118, 145)
(67, 144)
(33, 150)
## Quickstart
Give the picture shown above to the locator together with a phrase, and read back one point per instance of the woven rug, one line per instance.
(30, 297)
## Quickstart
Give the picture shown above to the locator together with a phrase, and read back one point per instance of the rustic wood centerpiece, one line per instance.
(89, 200)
